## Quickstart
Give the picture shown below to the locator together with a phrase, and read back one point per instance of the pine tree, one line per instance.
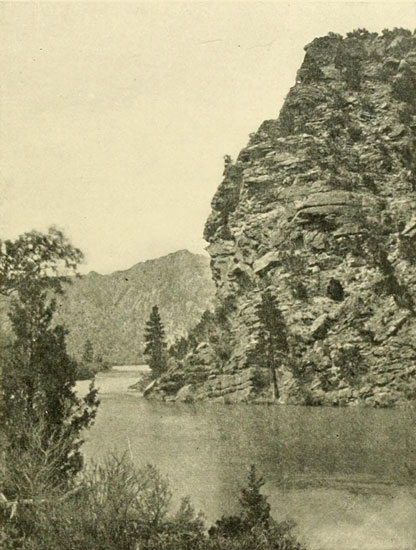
(88, 355)
(255, 512)
(155, 349)
(37, 396)
(256, 509)
(272, 343)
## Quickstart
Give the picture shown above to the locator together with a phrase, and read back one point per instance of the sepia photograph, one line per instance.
(208, 275)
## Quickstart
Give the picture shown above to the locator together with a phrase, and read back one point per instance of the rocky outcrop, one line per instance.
(320, 208)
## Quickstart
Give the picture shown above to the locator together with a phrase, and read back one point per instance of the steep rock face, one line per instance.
(320, 207)
(111, 310)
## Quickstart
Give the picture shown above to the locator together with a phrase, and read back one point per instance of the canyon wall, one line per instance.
(319, 208)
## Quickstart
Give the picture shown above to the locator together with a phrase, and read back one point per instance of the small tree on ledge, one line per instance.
(272, 345)
(154, 336)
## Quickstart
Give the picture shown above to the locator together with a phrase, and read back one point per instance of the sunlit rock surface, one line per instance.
(321, 208)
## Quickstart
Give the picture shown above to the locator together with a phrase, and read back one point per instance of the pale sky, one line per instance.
(115, 117)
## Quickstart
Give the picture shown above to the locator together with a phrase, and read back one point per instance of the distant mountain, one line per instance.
(111, 310)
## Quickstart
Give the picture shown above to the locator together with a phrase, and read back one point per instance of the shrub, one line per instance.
(355, 133)
(87, 371)
(253, 527)
(351, 364)
(335, 290)
(116, 506)
(360, 33)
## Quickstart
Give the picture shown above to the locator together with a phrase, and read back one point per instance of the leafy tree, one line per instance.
(38, 376)
(88, 355)
(272, 344)
(35, 258)
(155, 349)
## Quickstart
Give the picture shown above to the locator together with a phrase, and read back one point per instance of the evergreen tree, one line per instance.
(256, 509)
(37, 395)
(272, 343)
(155, 349)
(179, 349)
(88, 355)
(255, 512)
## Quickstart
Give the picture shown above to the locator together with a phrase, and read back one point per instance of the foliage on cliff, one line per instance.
(320, 208)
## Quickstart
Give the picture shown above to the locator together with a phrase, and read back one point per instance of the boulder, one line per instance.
(186, 394)
(268, 260)
(320, 327)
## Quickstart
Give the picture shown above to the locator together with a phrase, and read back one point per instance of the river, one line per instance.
(344, 475)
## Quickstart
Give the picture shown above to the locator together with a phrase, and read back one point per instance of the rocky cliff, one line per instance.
(111, 310)
(320, 208)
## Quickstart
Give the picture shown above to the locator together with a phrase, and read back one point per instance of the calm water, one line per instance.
(345, 475)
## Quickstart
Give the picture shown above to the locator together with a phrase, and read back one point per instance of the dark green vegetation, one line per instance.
(115, 507)
(41, 417)
(155, 350)
(272, 347)
(320, 209)
(37, 399)
(91, 363)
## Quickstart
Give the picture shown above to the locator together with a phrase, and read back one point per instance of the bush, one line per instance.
(86, 371)
(254, 527)
(116, 506)
(351, 364)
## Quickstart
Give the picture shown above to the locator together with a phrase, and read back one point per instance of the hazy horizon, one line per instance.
(115, 117)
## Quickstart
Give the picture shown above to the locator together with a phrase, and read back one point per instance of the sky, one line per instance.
(115, 117)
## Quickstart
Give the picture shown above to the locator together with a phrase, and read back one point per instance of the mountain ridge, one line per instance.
(111, 309)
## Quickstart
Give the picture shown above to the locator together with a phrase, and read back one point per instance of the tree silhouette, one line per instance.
(38, 377)
(255, 507)
(88, 355)
(271, 345)
(155, 349)
(255, 511)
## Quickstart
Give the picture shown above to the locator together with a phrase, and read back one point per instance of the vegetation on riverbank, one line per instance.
(117, 507)
(91, 363)
(41, 416)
